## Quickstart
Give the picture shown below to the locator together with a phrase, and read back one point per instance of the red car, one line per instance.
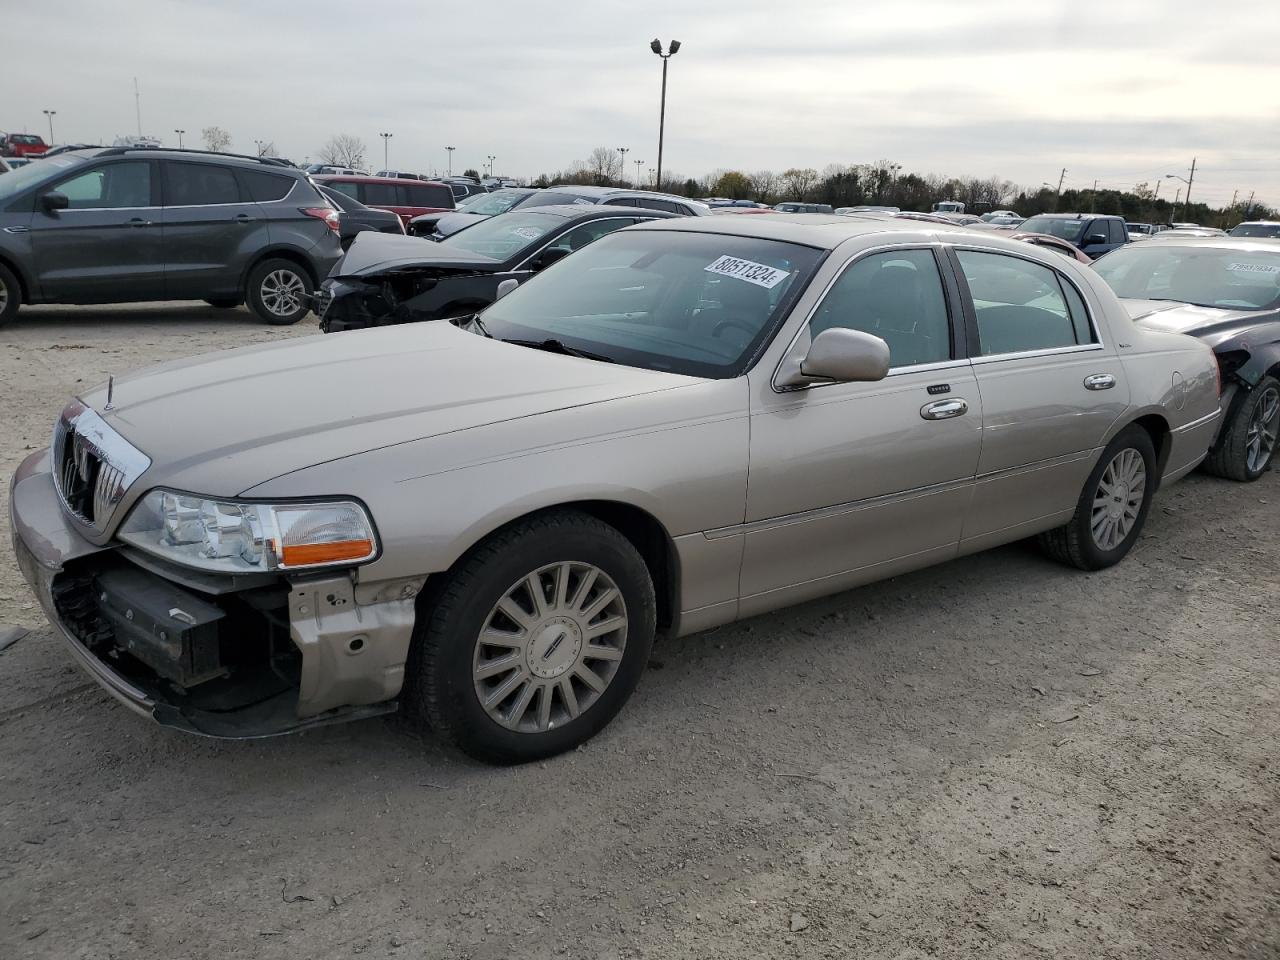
(408, 198)
(22, 145)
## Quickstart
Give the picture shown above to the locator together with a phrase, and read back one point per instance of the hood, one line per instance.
(1191, 318)
(453, 222)
(225, 422)
(378, 252)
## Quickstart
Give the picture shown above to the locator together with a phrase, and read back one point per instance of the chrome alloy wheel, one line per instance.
(550, 647)
(282, 292)
(1118, 499)
(4, 296)
(1260, 441)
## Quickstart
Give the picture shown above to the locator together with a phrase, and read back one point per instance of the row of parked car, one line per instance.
(618, 422)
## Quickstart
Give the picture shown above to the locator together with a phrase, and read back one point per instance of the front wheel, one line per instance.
(1248, 439)
(1112, 507)
(279, 292)
(535, 640)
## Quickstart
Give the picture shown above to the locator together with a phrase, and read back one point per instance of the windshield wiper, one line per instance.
(552, 345)
(476, 322)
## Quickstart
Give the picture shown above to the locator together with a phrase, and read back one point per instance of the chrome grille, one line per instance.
(93, 466)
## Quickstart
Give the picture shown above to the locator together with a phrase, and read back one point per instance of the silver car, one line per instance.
(683, 424)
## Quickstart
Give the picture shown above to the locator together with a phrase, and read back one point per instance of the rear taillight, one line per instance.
(327, 214)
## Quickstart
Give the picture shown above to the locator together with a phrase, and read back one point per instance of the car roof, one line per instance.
(593, 191)
(360, 178)
(1077, 216)
(197, 156)
(825, 231)
(594, 211)
(1171, 238)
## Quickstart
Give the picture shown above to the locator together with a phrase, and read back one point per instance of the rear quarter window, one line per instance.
(429, 195)
(381, 195)
(265, 187)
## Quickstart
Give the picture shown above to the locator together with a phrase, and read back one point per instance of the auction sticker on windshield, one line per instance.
(527, 233)
(1253, 267)
(760, 274)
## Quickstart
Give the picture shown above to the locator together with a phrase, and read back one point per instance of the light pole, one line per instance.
(451, 149)
(386, 150)
(656, 46)
(1186, 200)
(50, 115)
(490, 157)
(258, 144)
(622, 167)
(179, 133)
(639, 164)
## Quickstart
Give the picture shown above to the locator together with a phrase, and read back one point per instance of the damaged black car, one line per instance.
(385, 279)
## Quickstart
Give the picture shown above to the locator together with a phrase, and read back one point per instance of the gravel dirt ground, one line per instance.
(995, 758)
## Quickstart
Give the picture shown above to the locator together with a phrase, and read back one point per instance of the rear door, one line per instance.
(1051, 389)
(106, 246)
(212, 229)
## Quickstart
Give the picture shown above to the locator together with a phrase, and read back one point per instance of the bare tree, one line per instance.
(605, 165)
(343, 150)
(216, 139)
(764, 184)
(797, 182)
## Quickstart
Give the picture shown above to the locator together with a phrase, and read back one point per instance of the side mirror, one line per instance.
(54, 200)
(549, 256)
(841, 355)
(505, 287)
(1095, 238)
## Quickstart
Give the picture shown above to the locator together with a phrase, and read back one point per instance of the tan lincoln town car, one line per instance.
(487, 521)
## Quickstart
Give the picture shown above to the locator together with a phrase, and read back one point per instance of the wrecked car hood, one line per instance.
(373, 253)
(225, 422)
(1203, 322)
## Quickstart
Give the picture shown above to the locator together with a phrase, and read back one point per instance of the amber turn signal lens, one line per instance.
(307, 554)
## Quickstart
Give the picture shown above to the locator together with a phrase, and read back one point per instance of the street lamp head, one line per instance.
(675, 48)
(656, 46)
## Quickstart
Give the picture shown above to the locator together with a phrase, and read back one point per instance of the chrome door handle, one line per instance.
(1099, 381)
(139, 222)
(944, 409)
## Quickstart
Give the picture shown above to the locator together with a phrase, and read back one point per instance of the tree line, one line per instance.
(884, 184)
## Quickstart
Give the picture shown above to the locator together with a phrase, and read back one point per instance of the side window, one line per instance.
(429, 195)
(198, 184)
(352, 190)
(1020, 305)
(265, 187)
(381, 195)
(579, 237)
(622, 202)
(1117, 231)
(116, 186)
(896, 296)
(1079, 315)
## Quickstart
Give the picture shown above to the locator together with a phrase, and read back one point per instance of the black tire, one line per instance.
(223, 303)
(264, 286)
(1230, 458)
(1074, 542)
(440, 686)
(10, 295)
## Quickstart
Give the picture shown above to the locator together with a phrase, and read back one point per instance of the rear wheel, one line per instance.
(10, 295)
(1248, 442)
(279, 292)
(1112, 507)
(535, 640)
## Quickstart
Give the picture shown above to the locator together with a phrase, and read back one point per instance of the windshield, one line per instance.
(1209, 277)
(1256, 230)
(505, 236)
(690, 303)
(549, 198)
(492, 204)
(1058, 227)
(29, 174)
(1138, 227)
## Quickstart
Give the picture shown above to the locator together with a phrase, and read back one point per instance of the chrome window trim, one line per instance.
(1046, 352)
(1017, 255)
(933, 245)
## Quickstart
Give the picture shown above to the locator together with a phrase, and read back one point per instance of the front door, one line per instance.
(211, 230)
(105, 247)
(849, 479)
(1051, 389)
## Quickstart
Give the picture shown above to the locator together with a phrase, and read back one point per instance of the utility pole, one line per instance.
(1231, 209)
(137, 104)
(451, 149)
(1186, 200)
(622, 167)
(1248, 206)
(1093, 198)
(1058, 196)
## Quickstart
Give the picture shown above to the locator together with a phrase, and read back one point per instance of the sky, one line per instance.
(1121, 91)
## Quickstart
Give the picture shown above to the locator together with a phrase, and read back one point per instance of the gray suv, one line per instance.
(122, 224)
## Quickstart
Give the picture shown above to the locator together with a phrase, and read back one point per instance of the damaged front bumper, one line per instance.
(219, 656)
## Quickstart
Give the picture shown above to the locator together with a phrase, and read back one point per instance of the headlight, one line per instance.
(237, 537)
